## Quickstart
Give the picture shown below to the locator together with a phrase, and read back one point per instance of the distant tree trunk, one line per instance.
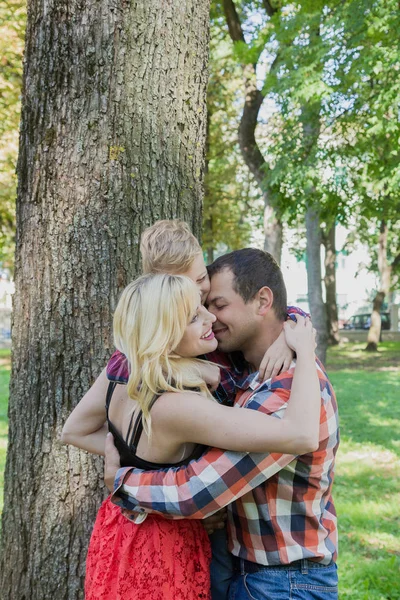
(273, 230)
(112, 139)
(314, 278)
(329, 241)
(374, 332)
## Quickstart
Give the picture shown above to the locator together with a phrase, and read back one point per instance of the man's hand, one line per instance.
(216, 521)
(112, 462)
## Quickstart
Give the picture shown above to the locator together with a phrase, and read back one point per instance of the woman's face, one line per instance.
(198, 274)
(198, 337)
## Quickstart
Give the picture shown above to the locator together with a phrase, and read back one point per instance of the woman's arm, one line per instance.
(86, 426)
(188, 417)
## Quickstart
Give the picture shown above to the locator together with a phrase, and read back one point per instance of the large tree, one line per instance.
(112, 139)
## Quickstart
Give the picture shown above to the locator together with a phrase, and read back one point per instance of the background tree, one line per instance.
(12, 30)
(112, 139)
(232, 202)
(248, 48)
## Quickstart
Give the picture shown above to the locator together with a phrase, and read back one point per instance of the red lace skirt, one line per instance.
(158, 559)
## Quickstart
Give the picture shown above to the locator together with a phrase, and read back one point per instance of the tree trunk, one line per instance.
(374, 332)
(112, 139)
(314, 278)
(329, 241)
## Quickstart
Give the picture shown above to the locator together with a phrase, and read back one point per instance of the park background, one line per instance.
(301, 145)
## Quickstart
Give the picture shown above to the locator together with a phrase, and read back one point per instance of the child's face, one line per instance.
(198, 274)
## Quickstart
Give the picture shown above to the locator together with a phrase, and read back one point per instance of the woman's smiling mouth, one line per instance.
(209, 335)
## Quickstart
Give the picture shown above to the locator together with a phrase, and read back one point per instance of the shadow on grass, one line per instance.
(353, 356)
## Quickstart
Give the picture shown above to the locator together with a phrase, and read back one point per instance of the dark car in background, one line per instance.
(364, 321)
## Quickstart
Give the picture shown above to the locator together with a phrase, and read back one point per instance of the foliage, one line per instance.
(343, 59)
(12, 27)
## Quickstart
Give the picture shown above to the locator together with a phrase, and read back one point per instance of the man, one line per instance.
(281, 518)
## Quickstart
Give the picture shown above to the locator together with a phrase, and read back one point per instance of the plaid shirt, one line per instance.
(233, 367)
(280, 507)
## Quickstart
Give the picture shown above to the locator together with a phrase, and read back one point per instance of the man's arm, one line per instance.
(199, 489)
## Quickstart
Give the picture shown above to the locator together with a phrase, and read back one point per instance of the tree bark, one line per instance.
(112, 139)
(329, 241)
(374, 332)
(314, 278)
(273, 230)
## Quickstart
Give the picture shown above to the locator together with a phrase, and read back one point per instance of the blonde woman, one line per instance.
(160, 325)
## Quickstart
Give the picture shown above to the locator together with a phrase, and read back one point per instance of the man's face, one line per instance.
(237, 323)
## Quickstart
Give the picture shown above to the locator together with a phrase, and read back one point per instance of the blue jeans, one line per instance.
(221, 569)
(306, 580)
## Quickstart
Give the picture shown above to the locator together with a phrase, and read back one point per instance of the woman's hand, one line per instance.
(215, 521)
(276, 359)
(300, 336)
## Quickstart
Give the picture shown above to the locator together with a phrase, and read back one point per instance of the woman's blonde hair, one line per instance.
(149, 322)
(168, 246)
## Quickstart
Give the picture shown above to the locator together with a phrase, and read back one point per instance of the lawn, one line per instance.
(368, 467)
(366, 488)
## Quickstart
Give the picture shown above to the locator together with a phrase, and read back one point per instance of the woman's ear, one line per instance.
(265, 300)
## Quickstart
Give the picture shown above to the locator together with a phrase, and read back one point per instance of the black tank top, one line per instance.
(127, 448)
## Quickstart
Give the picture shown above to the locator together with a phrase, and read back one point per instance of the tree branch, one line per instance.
(269, 9)
(233, 21)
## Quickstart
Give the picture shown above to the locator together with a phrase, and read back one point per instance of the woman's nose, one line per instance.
(212, 317)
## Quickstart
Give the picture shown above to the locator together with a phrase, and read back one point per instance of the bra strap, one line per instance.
(137, 430)
(110, 391)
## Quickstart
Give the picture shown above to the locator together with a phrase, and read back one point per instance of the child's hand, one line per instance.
(276, 359)
(300, 336)
(211, 374)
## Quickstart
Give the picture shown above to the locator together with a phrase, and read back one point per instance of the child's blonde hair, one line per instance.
(149, 322)
(168, 246)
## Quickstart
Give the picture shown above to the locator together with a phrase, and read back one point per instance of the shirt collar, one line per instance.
(251, 381)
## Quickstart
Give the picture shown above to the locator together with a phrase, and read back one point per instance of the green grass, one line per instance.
(354, 356)
(366, 490)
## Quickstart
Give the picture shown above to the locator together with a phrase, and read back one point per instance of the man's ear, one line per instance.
(265, 300)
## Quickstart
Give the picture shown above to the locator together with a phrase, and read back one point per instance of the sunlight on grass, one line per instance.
(366, 490)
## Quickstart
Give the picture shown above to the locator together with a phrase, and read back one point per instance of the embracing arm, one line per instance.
(86, 426)
(189, 417)
(217, 478)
